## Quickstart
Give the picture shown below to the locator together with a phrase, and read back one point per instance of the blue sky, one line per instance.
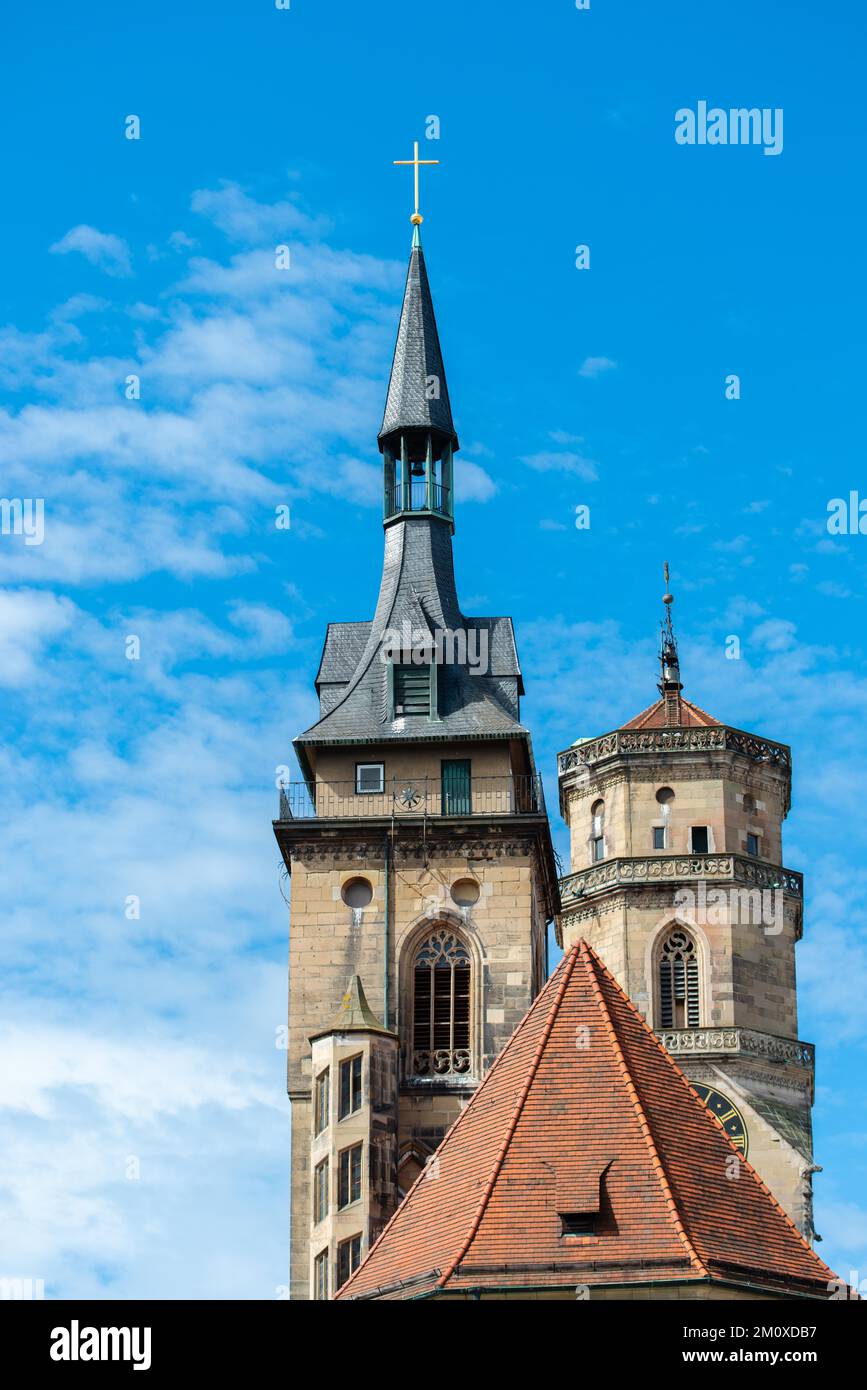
(154, 1038)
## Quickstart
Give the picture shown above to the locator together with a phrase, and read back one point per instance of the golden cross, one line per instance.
(416, 162)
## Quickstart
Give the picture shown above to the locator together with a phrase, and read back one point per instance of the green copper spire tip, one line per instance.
(416, 236)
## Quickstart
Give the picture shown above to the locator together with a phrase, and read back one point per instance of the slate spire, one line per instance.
(418, 397)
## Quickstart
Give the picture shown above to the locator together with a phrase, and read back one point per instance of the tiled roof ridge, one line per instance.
(568, 967)
(685, 1080)
(422, 1177)
(698, 710)
(638, 720)
(642, 714)
(591, 960)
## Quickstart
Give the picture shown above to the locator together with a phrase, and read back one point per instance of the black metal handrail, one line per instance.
(415, 497)
(402, 797)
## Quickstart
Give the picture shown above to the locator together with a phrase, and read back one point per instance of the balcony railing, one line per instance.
(680, 740)
(416, 498)
(713, 869)
(403, 797)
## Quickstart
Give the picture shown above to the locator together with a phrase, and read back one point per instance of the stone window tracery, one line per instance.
(442, 985)
(679, 981)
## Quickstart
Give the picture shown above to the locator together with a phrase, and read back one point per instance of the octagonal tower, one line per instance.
(677, 880)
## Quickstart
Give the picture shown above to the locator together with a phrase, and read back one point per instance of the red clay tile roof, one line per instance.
(654, 717)
(585, 1093)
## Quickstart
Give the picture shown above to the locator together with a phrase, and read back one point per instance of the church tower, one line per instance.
(678, 882)
(418, 844)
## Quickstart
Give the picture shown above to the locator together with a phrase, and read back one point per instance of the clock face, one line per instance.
(730, 1117)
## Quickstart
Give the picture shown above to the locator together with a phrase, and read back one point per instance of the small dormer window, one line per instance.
(412, 690)
(578, 1200)
(580, 1223)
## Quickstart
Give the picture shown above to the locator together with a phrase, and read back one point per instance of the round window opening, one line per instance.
(465, 892)
(665, 796)
(357, 892)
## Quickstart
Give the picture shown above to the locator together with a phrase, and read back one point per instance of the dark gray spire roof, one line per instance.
(417, 358)
(418, 587)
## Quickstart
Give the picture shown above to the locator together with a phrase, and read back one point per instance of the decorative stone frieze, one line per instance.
(740, 1041)
(693, 868)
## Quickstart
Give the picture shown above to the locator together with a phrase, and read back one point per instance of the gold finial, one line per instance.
(416, 218)
(667, 597)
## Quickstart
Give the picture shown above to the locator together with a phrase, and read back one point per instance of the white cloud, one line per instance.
(103, 249)
(29, 622)
(594, 367)
(549, 461)
(244, 219)
(472, 483)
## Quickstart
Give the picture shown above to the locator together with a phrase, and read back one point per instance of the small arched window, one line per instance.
(662, 832)
(679, 992)
(597, 831)
(442, 984)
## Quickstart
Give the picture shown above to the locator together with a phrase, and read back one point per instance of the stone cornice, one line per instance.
(596, 754)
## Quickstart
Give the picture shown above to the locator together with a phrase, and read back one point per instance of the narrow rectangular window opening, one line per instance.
(350, 1087)
(349, 1176)
(321, 1277)
(320, 1106)
(348, 1259)
(320, 1191)
(700, 839)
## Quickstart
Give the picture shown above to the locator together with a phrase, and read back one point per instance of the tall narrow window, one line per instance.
(752, 844)
(679, 1005)
(662, 833)
(320, 1102)
(350, 1087)
(349, 1176)
(348, 1258)
(320, 1283)
(442, 979)
(597, 831)
(320, 1191)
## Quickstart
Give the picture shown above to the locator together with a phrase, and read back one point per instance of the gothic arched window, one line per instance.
(679, 990)
(442, 982)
